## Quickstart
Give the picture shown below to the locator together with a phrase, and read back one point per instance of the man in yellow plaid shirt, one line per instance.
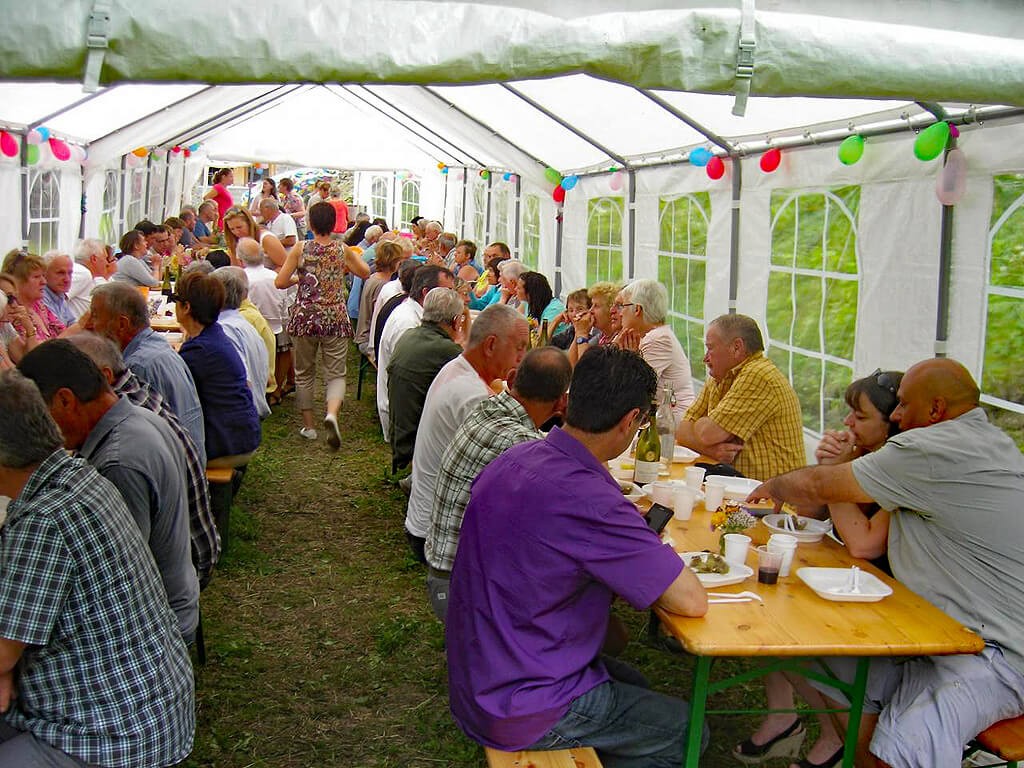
(748, 414)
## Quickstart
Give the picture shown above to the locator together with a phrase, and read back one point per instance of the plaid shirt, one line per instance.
(755, 402)
(105, 676)
(494, 426)
(202, 527)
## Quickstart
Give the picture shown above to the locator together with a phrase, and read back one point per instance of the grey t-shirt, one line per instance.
(956, 537)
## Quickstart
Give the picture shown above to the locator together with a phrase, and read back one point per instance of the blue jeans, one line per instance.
(629, 726)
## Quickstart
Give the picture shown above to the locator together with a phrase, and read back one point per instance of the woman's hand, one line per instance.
(583, 324)
(836, 447)
(628, 339)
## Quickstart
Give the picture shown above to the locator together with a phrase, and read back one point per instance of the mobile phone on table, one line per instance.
(657, 517)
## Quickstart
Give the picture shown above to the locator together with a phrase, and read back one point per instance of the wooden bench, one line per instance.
(583, 757)
(221, 491)
(1005, 739)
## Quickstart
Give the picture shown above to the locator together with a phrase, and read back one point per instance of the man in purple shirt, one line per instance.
(547, 542)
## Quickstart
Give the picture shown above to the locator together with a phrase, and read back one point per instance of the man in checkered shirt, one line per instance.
(93, 670)
(536, 393)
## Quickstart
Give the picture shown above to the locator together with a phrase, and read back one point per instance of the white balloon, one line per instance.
(615, 182)
(952, 180)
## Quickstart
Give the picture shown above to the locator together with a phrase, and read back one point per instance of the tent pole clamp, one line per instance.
(744, 59)
(97, 39)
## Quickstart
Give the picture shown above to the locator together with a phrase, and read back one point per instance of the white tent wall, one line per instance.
(10, 212)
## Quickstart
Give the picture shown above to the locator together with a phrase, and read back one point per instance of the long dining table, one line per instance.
(793, 626)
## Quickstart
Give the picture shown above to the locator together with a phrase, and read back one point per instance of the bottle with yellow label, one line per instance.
(648, 453)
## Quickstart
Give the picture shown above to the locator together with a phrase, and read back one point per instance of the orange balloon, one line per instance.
(140, 152)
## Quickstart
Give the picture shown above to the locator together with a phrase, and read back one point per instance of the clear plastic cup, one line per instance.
(768, 565)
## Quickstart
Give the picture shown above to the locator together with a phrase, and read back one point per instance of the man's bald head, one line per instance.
(933, 391)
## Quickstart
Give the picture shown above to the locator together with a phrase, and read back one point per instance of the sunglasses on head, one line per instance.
(885, 381)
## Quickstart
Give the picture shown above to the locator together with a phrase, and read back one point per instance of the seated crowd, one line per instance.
(491, 392)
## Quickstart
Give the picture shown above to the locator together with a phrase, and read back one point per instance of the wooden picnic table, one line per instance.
(795, 623)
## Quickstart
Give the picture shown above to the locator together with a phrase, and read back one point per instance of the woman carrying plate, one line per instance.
(872, 401)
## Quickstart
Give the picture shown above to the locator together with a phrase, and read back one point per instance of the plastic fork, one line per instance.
(733, 597)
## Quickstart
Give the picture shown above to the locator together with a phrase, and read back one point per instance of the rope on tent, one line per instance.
(96, 40)
(745, 59)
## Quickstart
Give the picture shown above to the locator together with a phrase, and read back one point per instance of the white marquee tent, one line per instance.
(848, 267)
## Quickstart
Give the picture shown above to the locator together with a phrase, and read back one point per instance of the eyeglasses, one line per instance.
(620, 306)
(885, 381)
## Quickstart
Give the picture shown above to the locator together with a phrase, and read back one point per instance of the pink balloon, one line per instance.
(8, 144)
(34, 137)
(715, 168)
(60, 150)
(770, 160)
(615, 182)
(131, 160)
(952, 180)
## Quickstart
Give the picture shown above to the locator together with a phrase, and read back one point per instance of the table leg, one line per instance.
(698, 703)
(860, 684)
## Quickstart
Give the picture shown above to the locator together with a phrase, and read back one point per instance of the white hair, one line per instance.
(652, 296)
(442, 306)
(495, 320)
(51, 256)
(511, 269)
(248, 250)
(86, 248)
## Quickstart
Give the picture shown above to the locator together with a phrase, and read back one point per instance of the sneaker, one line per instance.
(333, 433)
(308, 432)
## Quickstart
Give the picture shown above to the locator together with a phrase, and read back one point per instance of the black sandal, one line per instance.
(786, 744)
(829, 762)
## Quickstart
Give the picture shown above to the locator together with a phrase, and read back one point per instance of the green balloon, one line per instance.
(931, 141)
(32, 155)
(851, 150)
(553, 176)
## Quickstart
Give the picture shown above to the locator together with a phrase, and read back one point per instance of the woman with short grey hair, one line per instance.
(642, 307)
(511, 270)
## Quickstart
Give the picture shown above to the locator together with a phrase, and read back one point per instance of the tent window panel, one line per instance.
(108, 216)
(812, 301)
(604, 239)
(43, 212)
(502, 200)
(135, 211)
(531, 232)
(455, 191)
(479, 212)
(682, 269)
(410, 201)
(1001, 384)
(155, 209)
(379, 197)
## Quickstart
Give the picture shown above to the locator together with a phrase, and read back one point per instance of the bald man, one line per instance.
(951, 489)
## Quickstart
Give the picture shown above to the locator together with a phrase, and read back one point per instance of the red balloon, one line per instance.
(558, 194)
(60, 149)
(770, 160)
(715, 168)
(175, 150)
(8, 144)
(188, 152)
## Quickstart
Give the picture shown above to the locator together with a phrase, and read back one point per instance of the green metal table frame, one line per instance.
(703, 687)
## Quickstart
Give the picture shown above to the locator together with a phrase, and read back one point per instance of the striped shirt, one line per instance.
(755, 402)
(494, 426)
(106, 677)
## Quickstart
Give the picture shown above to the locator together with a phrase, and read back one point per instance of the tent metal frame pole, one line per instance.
(565, 124)
(559, 231)
(490, 205)
(149, 181)
(945, 271)
(444, 198)
(133, 123)
(480, 123)
(121, 208)
(734, 236)
(452, 155)
(229, 118)
(81, 220)
(631, 219)
(517, 241)
(68, 108)
(713, 137)
(465, 187)
(167, 184)
(24, 192)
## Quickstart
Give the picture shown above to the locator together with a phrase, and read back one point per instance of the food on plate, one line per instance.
(709, 563)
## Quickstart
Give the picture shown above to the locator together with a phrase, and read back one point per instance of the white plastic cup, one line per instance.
(736, 547)
(661, 492)
(694, 477)
(682, 502)
(785, 545)
(714, 494)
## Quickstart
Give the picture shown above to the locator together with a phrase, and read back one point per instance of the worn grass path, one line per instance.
(322, 647)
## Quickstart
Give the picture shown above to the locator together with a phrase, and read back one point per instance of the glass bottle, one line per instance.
(543, 341)
(648, 454)
(666, 426)
(165, 287)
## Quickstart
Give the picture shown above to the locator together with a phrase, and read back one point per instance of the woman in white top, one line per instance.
(643, 307)
(268, 189)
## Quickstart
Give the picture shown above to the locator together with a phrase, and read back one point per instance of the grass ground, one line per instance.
(322, 648)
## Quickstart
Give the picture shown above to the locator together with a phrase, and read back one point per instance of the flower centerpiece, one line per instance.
(731, 518)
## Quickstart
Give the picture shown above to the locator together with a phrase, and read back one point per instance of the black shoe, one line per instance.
(786, 744)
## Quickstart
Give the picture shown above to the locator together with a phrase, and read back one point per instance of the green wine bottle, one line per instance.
(648, 453)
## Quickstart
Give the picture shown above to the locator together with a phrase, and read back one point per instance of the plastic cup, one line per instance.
(736, 547)
(694, 476)
(768, 565)
(682, 502)
(785, 545)
(714, 494)
(662, 492)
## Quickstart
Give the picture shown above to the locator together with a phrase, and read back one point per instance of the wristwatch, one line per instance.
(582, 340)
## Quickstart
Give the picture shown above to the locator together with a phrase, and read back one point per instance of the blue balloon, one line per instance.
(506, 176)
(44, 132)
(699, 157)
(193, 147)
(445, 170)
(569, 182)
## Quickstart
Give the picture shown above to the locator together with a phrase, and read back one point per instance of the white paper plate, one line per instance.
(636, 493)
(737, 488)
(734, 575)
(830, 583)
(812, 533)
(683, 455)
